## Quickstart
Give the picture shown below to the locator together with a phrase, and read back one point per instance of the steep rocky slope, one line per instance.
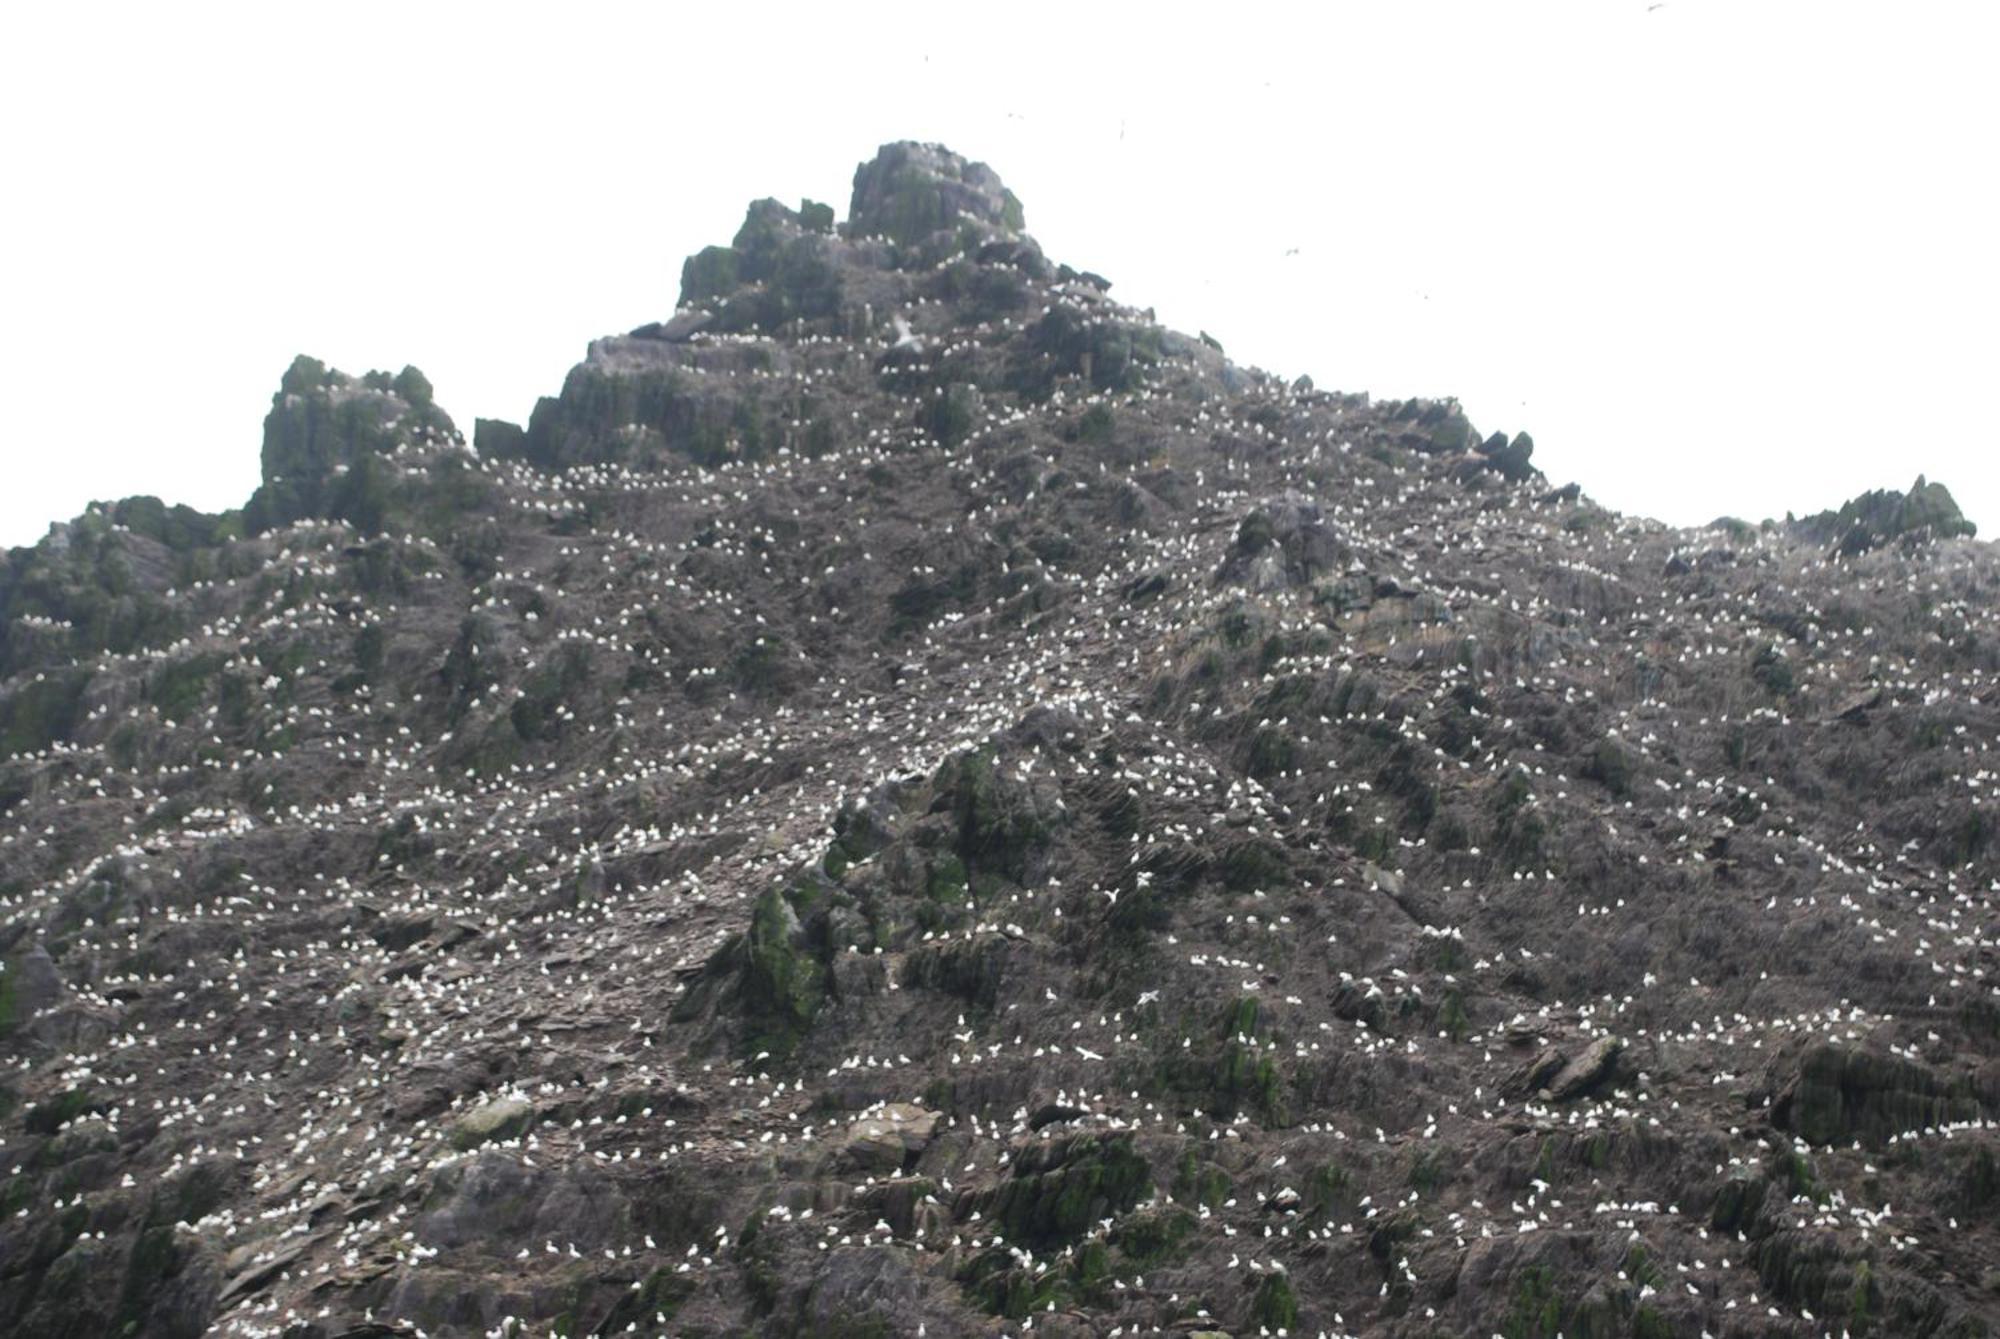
(910, 799)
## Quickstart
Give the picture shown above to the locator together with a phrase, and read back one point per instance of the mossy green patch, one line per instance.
(782, 985)
(1060, 1190)
(1149, 1236)
(1275, 1306)
(10, 996)
(1534, 1311)
(50, 1116)
(1198, 1181)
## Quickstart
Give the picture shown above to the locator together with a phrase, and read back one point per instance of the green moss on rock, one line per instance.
(782, 985)
(1275, 1306)
(1198, 1181)
(1060, 1189)
(999, 826)
(1845, 1094)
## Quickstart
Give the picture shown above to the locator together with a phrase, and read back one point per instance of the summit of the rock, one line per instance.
(909, 192)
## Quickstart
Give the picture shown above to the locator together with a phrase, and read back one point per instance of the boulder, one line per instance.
(1383, 880)
(1588, 1070)
(501, 1118)
(1534, 1076)
(884, 1140)
(1283, 542)
(1841, 1094)
(678, 328)
(1509, 458)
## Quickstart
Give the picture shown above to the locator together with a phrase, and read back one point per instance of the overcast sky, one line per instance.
(1718, 256)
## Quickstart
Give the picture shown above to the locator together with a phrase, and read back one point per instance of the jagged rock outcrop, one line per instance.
(910, 192)
(1284, 541)
(328, 441)
(1927, 511)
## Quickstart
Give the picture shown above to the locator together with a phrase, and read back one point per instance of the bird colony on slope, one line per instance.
(909, 799)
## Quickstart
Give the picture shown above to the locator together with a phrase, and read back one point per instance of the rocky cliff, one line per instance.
(910, 799)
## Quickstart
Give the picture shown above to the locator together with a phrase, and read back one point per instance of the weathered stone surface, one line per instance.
(1509, 457)
(1587, 1070)
(1926, 511)
(1843, 1093)
(326, 439)
(500, 1118)
(682, 325)
(1283, 542)
(884, 1140)
(909, 191)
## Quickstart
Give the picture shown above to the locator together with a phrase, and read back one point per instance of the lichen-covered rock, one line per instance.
(1079, 339)
(784, 267)
(643, 401)
(779, 981)
(324, 423)
(709, 273)
(98, 583)
(29, 983)
(1002, 822)
(1275, 1308)
(1061, 1187)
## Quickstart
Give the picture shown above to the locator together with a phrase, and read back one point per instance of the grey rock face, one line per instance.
(885, 1139)
(1587, 1070)
(910, 191)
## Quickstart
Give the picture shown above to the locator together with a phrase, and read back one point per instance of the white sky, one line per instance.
(1718, 256)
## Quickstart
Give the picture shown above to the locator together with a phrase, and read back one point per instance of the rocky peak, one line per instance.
(326, 436)
(910, 191)
(912, 799)
(914, 206)
(1927, 511)
(322, 419)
